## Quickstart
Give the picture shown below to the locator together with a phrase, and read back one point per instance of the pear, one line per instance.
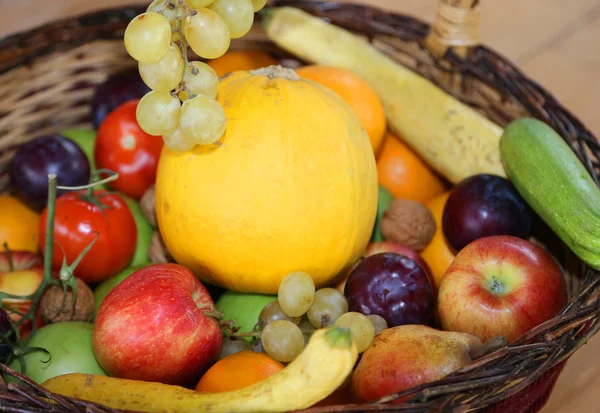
(402, 357)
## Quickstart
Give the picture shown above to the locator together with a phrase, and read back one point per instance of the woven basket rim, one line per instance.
(501, 74)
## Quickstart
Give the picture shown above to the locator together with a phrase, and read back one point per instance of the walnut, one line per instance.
(148, 206)
(409, 223)
(52, 301)
(157, 251)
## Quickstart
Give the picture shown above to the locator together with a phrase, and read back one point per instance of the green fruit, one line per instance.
(102, 290)
(86, 139)
(243, 308)
(555, 183)
(70, 347)
(384, 200)
(144, 233)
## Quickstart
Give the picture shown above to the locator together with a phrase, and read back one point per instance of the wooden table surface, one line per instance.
(553, 41)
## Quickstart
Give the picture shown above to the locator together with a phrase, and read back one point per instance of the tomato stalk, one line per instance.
(65, 280)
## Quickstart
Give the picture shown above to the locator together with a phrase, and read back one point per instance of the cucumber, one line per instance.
(555, 183)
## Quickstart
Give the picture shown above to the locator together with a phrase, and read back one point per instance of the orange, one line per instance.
(238, 370)
(358, 95)
(18, 225)
(241, 60)
(405, 174)
(438, 254)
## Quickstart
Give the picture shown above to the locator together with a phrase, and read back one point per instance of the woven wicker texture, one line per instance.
(46, 82)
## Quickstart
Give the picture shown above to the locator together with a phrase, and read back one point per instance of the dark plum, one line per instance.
(115, 90)
(47, 154)
(394, 287)
(484, 205)
(5, 334)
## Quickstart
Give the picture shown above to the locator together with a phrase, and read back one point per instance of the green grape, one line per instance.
(157, 113)
(201, 79)
(258, 4)
(307, 330)
(167, 8)
(237, 14)
(272, 312)
(202, 120)
(329, 304)
(148, 37)
(198, 4)
(379, 323)
(361, 329)
(282, 340)
(164, 75)
(175, 141)
(207, 34)
(257, 346)
(296, 293)
(232, 346)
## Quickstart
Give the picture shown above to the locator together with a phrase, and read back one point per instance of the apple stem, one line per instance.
(497, 287)
(214, 314)
(11, 264)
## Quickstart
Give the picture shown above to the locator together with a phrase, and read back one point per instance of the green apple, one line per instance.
(144, 233)
(70, 346)
(86, 139)
(384, 200)
(102, 290)
(243, 308)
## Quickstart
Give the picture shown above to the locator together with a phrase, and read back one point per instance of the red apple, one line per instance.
(21, 273)
(500, 286)
(153, 327)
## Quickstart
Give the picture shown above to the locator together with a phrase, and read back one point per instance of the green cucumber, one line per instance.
(555, 183)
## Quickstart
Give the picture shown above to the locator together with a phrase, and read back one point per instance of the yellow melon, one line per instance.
(291, 187)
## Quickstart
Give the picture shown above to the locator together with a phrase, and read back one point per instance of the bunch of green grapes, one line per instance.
(182, 105)
(300, 309)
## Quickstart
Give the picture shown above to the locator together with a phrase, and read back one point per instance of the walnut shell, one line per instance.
(148, 206)
(52, 301)
(157, 251)
(409, 223)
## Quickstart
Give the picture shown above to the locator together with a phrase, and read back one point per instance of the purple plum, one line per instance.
(484, 205)
(44, 155)
(394, 287)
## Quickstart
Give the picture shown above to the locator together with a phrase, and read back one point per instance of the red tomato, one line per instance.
(123, 147)
(78, 222)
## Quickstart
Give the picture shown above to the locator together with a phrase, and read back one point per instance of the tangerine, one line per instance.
(241, 60)
(405, 174)
(238, 370)
(18, 225)
(437, 253)
(358, 95)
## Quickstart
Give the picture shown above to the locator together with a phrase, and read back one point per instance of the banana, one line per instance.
(323, 366)
(454, 139)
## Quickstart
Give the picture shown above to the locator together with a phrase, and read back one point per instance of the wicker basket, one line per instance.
(47, 77)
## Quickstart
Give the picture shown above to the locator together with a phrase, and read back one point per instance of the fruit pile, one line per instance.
(314, 257)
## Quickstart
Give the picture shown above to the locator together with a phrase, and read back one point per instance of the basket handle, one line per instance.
(456, 25)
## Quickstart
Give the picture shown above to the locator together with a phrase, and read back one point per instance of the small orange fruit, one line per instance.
(241, 60)
(238, 370)
(438, 254)
(405, 174)
(18, 225)
(358, 95)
